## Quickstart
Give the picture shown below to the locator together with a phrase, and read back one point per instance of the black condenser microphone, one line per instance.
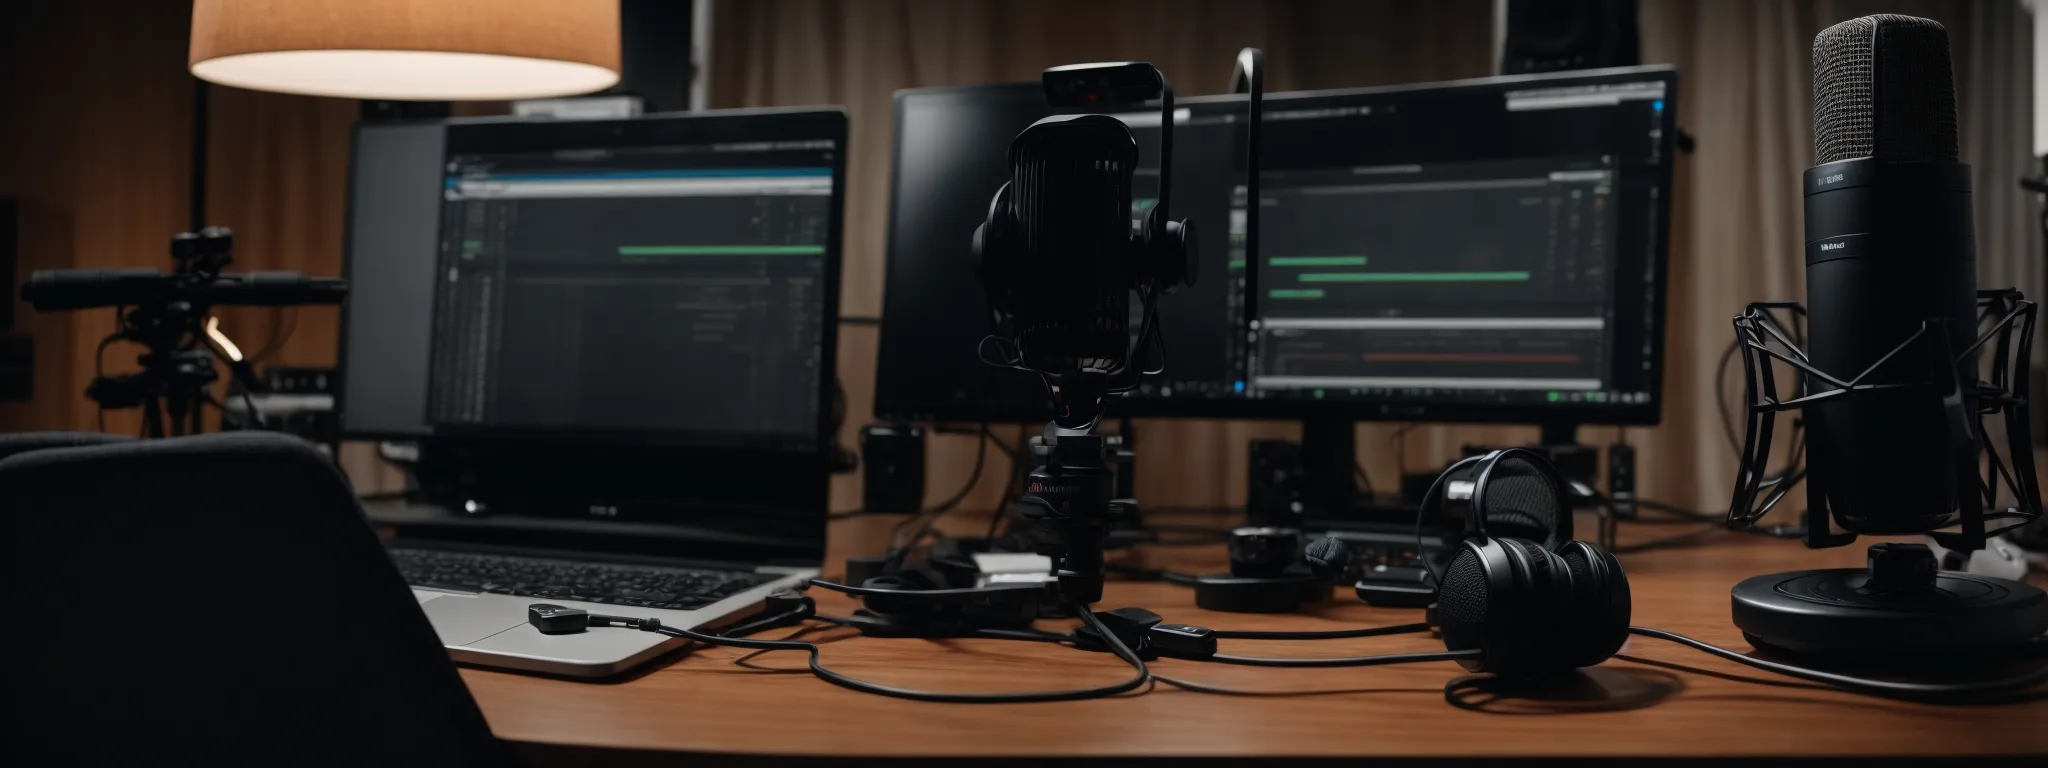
(1058, 259)
(1888, 249)
(1072, 177)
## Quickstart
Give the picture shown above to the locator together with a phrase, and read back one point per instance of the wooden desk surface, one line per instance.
(704, 702)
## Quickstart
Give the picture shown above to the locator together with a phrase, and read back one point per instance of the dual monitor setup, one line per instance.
(673, 281)
(1480, 251)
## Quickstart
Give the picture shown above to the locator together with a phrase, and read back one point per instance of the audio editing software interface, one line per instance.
(1376, 278)
(674, 289)
(1480, 246)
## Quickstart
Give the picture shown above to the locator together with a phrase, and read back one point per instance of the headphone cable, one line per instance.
(1883, 688)
(1347, 661)
(1329, 634)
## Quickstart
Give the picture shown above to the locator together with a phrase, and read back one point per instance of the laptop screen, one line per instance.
(654, 291)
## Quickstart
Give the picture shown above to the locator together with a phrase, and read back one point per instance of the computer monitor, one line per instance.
(1488, 250)
(951, 145)
(658, 292)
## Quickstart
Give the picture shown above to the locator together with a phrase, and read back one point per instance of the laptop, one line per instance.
(607, 349)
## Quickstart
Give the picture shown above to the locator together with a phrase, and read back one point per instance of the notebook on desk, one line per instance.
(613, 342)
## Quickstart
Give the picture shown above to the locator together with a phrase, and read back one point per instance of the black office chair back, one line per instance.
(23, 442)
(219, 596)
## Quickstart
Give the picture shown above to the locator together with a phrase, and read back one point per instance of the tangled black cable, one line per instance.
(1711, 524)
(1329, 634)
(930, 518)
(2002, 690)
(1116, 646)
(1010, 486)
(1346, 661)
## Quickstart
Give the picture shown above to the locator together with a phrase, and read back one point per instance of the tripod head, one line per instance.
(177, 368)
(203, 254)
(169, 315)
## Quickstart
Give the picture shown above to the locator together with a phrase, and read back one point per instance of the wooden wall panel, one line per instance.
(95, 137)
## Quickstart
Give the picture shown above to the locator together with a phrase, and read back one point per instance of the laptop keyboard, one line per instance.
(677, 589)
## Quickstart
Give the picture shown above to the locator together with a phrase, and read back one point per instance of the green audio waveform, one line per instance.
(1295, 293)
(1317, 261)
(721, 250)
(1414, 277)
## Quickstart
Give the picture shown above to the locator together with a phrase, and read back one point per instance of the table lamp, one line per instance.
(416, 50)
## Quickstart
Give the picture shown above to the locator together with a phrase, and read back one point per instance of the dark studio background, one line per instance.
(97, 141)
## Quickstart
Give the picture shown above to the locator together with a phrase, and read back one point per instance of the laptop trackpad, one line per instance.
(465, 619)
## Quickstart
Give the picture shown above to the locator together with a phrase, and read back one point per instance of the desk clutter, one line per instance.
(604, 352)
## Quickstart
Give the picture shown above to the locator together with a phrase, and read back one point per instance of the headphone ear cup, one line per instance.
(1549, 600)
(1483, 605)
(1463, 602)
(1600, 604)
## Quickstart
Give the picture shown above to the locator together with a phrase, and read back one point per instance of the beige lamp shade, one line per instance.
(421, 50)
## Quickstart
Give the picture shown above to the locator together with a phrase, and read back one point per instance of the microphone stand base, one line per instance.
(1836, 613)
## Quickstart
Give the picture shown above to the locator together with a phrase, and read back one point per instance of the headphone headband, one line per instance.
(1485, 478)
(1432, 506)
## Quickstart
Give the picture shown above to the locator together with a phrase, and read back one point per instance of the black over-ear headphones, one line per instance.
(1533, 602)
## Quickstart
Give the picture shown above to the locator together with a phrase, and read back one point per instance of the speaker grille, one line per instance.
(1072, 185)
(1461, 602)
(1883, 87)
(1522, 503)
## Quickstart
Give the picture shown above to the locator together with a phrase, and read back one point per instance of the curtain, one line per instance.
(94, 148)
(1745, 94)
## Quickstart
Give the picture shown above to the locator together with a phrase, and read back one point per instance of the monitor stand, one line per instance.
(1329, 467)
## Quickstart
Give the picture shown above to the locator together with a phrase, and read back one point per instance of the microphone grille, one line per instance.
(1883, 87)
(1072, 182)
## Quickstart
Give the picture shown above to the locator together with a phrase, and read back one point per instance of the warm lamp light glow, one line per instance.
(407, 75)
(420, 50)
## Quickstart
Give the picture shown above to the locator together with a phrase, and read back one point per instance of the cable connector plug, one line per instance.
(1131, 625)
(1181, 641)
